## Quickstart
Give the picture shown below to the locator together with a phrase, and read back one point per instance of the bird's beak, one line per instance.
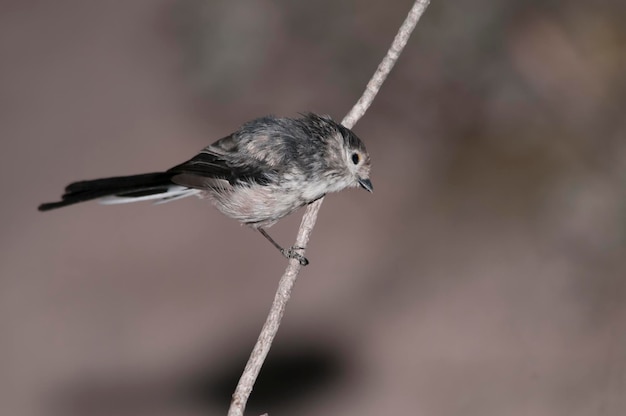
(366, 184)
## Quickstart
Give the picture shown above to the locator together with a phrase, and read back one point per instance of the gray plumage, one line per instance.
(264, 171)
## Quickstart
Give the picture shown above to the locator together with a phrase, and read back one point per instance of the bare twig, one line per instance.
(270, 328)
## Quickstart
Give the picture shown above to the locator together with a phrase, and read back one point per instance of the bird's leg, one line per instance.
(290, 253)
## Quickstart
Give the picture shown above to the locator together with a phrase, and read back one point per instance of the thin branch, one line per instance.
(270, 328)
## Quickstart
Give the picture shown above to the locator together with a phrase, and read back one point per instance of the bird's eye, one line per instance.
(355, 158)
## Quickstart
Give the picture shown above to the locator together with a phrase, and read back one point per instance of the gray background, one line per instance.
(485, 275)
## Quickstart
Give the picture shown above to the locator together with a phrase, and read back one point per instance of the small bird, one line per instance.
(257, 175)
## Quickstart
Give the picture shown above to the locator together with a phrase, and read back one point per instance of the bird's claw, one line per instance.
(292, 253)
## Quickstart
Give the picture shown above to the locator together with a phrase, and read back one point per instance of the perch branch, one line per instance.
(270, 328)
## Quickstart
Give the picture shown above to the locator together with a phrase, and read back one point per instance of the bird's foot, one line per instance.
(292, 253)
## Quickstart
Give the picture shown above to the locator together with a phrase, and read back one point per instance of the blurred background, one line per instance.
(484, 276)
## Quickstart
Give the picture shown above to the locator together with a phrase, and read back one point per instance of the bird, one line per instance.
(264, 171)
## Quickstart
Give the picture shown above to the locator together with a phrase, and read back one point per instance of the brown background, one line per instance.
(485, 275)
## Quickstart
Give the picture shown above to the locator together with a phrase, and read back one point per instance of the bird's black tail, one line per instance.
(137, 186)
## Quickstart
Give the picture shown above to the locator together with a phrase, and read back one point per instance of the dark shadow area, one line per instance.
(292, 374)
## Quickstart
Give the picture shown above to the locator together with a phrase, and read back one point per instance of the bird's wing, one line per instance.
(213, 167)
